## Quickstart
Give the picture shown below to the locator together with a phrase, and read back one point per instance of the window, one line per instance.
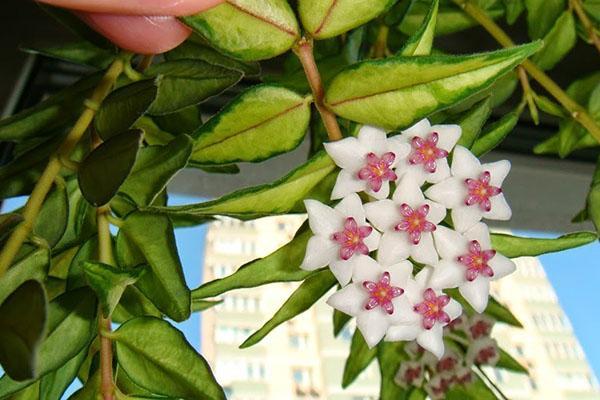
(302, 377)
(298, 341)
(231, 334)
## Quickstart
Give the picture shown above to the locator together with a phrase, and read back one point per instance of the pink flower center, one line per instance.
(486, 355)
(476, 261)
(378, 170)
(480, 191)
(480, 329)
(412, 374)
(351, 239)
(446, 364)
(415, 222)
(426, 152)
(382, 293)
(432, 308)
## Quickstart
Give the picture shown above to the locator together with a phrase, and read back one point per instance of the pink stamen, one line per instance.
(480, 191)
(432, 309)
(351, 239)
(485, 355)
(382, 293)
(426, 152)
(378, 170)
(476, 261)
(414, 222)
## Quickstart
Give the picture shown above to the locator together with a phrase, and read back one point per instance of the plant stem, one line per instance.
(380, 49)
(145, 62)
(491, 383)
(44, 184)
(105, 255)
(304, 51)
(578, 113)
(528, 94)
(585, 21)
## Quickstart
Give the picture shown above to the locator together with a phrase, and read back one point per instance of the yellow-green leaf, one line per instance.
(515, 246)
(420, 43)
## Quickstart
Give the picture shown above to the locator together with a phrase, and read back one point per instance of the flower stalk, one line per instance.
(45, 182)
(585, 21)
(304, 51)
(577, 112)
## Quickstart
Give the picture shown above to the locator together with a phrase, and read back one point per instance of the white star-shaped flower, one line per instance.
(342, 237)
(375, 297)
(407, 222)
(425, 321)
(367, 162)
(469, 263)
(473, 191)
(430, 145)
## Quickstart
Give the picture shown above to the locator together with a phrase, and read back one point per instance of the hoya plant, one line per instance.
(398, 201)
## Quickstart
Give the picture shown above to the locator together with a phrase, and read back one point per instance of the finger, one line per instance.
(137, 7)
(142, 35)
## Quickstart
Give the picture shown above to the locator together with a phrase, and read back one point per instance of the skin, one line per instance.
(140, 26)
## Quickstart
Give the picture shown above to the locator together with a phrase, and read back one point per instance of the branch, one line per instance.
(585, 21)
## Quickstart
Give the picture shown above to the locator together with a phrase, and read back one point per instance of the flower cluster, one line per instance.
(406, 227)
(438, 376)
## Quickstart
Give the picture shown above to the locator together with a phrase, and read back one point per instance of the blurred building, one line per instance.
(301, 360)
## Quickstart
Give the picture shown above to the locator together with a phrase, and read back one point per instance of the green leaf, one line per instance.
(124, 106)
(359, 358)
(557, 42)
(81, 52)
(262, 122)
(87, 251)
(283, 265)
(501, 313)
(250, 30)
(51, 222)
(151, 237)
(325, 19)
(592, 7)
(196, 51)
(71, 320)
(541, 15)
(311, 180)
(157, 357)
(81, 221)
(307, 294)
(33, 267)
(154, 168)
(54, 384)
(183, 83)
(32, 392)
(199, 305)
(390, 355)
(472, 121)
(134, 304)
(90, 390)
(476, 390)
(514, 8)
(396, 91)
(515, 246)
(104, 170)
(495, 134)
(550, 107)
(109, 283)
(420, 43)
(22, 328)
(7, 223)
(507, 361)
(593, 198)
(340, 320)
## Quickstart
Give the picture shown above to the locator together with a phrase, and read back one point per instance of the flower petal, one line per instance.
(347, 183)
(372, 241)
(477, 293)
(442, 171)
(350, 300)
(421, 128)
(447, 274)
(424, 252)
(343, 269)
(382, 193)
(408, 192)
(449, 243)
(404, 332)
(323, 220)
(416, 171)
(465, 164)
(450, 192)
(399, 273)
(453, 309)
(347, 153)
(351, 206)
(382, 214)
(437, 212)
(373, 325)
(500, 209)
(498, 171)
(448, 135)
(373, 139)
(502, 266)
(393, 247)
(366, 269)
(432, 340)
(320, 251)
(481, 233)
(398, 145)
(464, 217)
(403, 312)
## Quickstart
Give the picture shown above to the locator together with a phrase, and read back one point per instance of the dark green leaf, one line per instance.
(247, 29)
(550, 107)
(109, 283)
(311, 180)
(283, 265)
(359, 358)
(307, 294)
(184, 121)
(134, 304)
(514, 8)
(81, 221)
(87, 251)
(397, 91)
(185, 83)
(515, 246)
(501, 313)
(33, 267)
(558, 42)
(390, 355)
(22, 328)
(54, 384)
(123, 107)
(157, 357)
(151, 238)
(81, 52)
(202, 305)
(495, 134)
(7, 223)
(476, 390)
(340, 320)
(506, 361)
(420, 43)
(262, 122)
(593, 198)
(106, 168)
(51, 222)
(472, 121)
(541, 15)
